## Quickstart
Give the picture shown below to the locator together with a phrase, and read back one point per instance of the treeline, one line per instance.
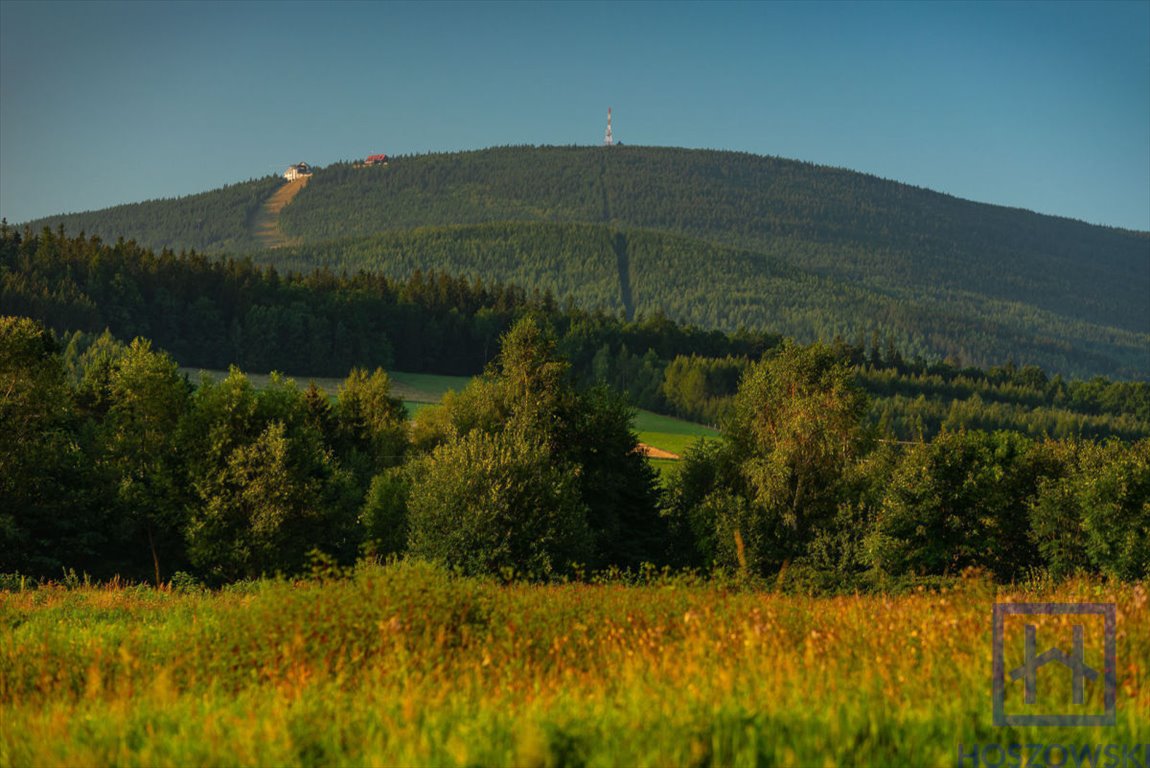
(213, 314)
(214, 222)
(916, 400)
(115, 464)
(799, 490)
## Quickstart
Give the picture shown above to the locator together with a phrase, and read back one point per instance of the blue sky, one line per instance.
(1035, 105)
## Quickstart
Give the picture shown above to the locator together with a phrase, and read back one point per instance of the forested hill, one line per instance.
(717, 238)
(216, 222)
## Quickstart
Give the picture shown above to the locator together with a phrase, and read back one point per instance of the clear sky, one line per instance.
(1037, 105)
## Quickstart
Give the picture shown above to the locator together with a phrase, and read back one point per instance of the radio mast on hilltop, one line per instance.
(608, 140)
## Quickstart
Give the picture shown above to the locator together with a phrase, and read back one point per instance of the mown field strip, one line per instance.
(265, 226)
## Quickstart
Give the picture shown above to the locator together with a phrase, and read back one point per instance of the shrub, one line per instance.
(384, 512)
(490, 504)
(957, 503)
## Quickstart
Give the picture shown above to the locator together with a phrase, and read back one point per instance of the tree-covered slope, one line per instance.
(721, 239)
(836, 222)
(217, 221)
(576, 260)
(644, 272)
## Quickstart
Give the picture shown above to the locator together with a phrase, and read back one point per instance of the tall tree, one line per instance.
(528, 399)
(50, 511)
(494, 503)
(371, 425)
(147, 398)
(267, 488)
(796, 428)
(958, 502)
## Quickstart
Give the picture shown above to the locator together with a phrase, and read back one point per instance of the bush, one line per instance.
(957, 503)
(491, 504)
(384, 512)
(1114, 494)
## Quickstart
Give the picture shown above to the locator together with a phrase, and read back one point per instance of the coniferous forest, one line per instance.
(716, 239)
(906, 385)
(841, 466)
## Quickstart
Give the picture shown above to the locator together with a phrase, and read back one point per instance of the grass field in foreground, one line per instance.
(404, 665)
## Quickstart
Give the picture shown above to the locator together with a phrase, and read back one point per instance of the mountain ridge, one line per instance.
(52, 220)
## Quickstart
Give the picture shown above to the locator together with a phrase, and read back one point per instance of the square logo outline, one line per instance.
(1110, 679)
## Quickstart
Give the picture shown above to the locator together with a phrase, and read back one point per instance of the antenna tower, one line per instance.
(608, 140)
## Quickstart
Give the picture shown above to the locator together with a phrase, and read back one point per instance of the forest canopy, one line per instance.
(118, 465)
(216, 313)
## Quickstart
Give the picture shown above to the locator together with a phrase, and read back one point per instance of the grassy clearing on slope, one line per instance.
(667, 468)
(669, 433)
(405, 665)
(677, 444)
(265, 225)
(646, 421)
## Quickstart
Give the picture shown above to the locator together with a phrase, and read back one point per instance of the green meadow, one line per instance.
(405, 664)
(669, 433)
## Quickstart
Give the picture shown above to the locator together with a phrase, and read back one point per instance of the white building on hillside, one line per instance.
(297, 171)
